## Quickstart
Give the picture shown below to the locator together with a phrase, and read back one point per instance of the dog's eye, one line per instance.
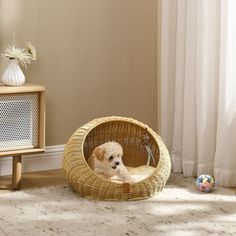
(111, 158)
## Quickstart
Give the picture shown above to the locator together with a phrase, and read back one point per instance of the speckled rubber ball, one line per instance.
(205, 183)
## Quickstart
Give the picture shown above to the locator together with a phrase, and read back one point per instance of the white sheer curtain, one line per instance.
(198, 87)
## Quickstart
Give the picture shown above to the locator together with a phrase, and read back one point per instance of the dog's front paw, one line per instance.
(125, 178)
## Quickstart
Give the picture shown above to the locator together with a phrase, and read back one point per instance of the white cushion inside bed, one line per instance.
(137, 173)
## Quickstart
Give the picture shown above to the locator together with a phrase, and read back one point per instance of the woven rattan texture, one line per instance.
(18, 121)
(126, 131)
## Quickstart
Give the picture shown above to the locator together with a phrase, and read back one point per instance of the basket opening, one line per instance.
(129, 136)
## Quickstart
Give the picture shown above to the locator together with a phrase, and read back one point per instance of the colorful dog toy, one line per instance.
(205, 183)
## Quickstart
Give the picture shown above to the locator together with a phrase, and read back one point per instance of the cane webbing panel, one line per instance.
(19, 121)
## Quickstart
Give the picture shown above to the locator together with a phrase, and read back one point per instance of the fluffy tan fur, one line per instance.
(106, 161)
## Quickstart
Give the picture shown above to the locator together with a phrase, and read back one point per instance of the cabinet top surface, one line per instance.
(21, 89)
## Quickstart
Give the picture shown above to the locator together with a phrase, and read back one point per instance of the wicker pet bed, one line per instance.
(127, 132)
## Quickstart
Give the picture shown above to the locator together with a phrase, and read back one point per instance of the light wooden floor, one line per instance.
(34, 180)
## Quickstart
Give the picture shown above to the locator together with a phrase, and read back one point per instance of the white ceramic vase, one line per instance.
(13, 75)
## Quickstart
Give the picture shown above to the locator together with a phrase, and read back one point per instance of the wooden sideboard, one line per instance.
(22, 124)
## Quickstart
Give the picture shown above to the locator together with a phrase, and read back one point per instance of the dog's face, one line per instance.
(106, 160)
(109, 154)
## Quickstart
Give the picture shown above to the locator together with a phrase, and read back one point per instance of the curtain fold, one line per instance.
(198, 87)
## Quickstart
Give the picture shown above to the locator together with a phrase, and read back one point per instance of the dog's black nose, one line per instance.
(117, 163)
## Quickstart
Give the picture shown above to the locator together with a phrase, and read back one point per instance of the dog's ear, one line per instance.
(99, 153)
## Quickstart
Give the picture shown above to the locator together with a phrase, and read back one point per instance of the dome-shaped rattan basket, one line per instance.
(127, 132)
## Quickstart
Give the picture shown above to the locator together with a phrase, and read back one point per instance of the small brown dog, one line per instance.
(106, 160)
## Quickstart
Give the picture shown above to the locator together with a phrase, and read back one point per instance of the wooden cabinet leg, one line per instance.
(16, 172)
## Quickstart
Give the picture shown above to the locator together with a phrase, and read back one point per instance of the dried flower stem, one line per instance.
(20, 54)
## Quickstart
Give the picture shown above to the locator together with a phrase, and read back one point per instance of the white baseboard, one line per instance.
(51, 159)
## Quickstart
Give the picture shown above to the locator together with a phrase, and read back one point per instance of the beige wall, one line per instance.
(95, 58)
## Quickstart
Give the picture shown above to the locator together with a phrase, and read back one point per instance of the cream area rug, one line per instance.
(179, 210)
